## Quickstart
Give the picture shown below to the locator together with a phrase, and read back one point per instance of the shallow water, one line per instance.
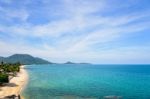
(81, 81)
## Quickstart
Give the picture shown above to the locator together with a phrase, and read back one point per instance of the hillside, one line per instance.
(75, 63)
(24, 59)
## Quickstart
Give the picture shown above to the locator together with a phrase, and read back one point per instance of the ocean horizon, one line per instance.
(40, 32)
(87, 81)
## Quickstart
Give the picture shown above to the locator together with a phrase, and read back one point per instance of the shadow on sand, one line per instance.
(12, 97)
(10, 85)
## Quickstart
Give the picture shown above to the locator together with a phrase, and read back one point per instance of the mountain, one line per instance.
(1, 57)
(69, 62)
(75, 63)
(24, 59)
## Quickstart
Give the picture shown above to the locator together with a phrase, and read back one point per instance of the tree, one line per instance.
(7, 70)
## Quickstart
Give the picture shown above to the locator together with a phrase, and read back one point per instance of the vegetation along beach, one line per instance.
(74, 49)
(12, 80)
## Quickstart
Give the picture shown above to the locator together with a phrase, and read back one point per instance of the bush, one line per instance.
(4, 78)
(7, 70)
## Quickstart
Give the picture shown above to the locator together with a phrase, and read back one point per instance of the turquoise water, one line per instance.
(73, 81)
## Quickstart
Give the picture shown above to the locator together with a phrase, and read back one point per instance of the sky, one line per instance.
(93, 31)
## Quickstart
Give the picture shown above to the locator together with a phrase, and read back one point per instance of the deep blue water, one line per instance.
(64, 81)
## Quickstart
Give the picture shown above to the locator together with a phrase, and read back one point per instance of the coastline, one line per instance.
(16, 84)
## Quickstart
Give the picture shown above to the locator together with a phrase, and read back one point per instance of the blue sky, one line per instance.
(95, 31)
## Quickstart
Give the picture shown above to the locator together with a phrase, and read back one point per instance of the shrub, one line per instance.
(4, 78)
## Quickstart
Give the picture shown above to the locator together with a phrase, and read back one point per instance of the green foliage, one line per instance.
(4, 78)
(7, 69)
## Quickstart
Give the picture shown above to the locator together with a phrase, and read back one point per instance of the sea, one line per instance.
(88, 81)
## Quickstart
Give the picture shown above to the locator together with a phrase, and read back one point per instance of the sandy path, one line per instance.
(16, 84)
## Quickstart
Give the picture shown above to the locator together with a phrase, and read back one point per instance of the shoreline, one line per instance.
(16, 85)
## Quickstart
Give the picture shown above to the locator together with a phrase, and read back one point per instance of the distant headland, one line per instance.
(27, 59)
(75, 63)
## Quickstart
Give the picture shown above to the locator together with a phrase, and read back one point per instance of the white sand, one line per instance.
(16, 84)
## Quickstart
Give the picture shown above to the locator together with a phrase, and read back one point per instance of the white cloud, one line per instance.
(9, 14)
(76, 33)
(116, 55)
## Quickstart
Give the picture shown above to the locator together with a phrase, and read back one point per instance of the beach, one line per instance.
(16, 84)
